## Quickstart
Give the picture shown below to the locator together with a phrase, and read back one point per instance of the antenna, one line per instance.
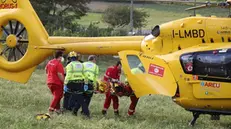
(229, 12)
(131, 17)
(194, 11)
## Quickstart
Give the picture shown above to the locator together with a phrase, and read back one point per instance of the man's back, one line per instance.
(74, 71)
(112, 72)
(54, 67)
(91, 70)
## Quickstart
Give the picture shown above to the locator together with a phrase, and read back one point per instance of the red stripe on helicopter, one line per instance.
(156, 70)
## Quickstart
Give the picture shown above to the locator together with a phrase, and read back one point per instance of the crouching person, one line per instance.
(134, 100)
(74, 81)
(129, 91)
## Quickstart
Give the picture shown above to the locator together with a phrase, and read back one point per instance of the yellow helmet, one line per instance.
(72, 54)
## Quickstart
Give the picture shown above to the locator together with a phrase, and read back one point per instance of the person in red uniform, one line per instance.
(134, 100)
(112, 75)
(55, 80)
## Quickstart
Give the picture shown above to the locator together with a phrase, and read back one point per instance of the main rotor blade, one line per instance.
(197, 7)
(175, 1)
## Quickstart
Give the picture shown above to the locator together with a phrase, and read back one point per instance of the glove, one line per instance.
(85, 87)
(65, 88)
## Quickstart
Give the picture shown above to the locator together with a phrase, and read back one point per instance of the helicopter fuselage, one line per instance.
(187, 32)
(203, 77)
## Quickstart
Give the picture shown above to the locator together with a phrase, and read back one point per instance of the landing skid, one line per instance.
(215, 117)
(215, 114)
(195, 117)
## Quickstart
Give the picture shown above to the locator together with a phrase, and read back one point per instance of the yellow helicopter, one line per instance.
(186, 59)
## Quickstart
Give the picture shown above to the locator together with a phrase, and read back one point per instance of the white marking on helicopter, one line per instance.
(223, 50)
(190, 68)
(156, 70)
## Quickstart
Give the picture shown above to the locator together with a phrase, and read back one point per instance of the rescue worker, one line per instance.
(55, 78)
(67, 104)
(74, 81)
(112, 75)
(91, 72)
(78, 58)
(67, 93)
(133, 98)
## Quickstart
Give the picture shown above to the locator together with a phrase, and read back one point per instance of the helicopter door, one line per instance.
(147, 74)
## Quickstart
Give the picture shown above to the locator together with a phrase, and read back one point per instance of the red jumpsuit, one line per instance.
(114, 73)
(134, 100)
(54, 83)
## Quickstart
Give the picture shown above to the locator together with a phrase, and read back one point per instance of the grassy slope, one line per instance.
(19, 103)
(159, 13)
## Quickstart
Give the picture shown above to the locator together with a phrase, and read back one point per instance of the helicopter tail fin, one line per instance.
(24, 42)
(21, 33)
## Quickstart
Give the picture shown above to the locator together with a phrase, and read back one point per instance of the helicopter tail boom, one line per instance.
(97, 45)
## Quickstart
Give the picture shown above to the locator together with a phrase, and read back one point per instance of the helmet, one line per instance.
(72, 54)
(44, 116)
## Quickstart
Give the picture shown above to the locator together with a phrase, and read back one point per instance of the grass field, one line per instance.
(19, 103)
(159, 13)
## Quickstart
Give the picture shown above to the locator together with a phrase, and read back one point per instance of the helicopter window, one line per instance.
(135, 64)
(213, 63)
(222, 38)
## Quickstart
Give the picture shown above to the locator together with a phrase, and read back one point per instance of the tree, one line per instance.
(56, 14)
(118, 16)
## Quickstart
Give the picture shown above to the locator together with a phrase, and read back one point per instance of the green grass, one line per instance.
(92, 18)
(19, 103)
(159, 13)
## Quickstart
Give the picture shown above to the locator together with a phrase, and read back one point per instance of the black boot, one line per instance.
(104, 112)
(116, 113)
(74, 112)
